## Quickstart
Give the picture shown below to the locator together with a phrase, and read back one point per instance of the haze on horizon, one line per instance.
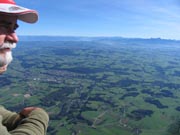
(126, 18)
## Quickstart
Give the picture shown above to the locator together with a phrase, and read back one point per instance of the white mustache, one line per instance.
(8, 45)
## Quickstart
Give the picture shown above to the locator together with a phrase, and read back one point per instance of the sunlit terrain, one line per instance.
(98, 86)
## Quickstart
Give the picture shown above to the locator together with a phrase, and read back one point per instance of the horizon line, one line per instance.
(100, 37)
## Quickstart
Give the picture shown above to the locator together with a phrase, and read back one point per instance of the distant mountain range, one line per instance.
(101, 39)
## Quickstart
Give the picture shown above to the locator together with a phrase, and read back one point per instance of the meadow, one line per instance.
(98, 87)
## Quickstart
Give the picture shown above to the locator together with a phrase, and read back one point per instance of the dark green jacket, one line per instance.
(13, 124)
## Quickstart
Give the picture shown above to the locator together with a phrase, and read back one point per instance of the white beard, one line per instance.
(6, 59)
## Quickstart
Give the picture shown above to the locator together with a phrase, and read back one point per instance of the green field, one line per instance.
(98, 87)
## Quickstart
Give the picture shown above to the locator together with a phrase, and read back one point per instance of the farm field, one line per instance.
(98, 87)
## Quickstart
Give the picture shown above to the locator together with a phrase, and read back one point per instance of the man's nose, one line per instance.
(12, 37)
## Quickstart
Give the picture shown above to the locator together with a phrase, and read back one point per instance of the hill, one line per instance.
(76, 38)
(100, 86)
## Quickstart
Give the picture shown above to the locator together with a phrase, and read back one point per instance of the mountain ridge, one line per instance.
(101, 39)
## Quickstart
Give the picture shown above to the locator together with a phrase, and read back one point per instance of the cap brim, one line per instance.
(23, 14)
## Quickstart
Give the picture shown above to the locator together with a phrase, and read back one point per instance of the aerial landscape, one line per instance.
(97, 86)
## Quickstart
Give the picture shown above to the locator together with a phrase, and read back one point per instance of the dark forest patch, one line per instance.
(101, 99)
(84, 70)
(132, 94)
(162, 93)
(157, 103)
(61, 52)
(162, 84)
(165, 93)
(178, 108)
(140, 114)
(59, 95)
(147, 91)
(4, 81)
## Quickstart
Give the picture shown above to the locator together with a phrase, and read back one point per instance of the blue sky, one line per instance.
(124, 18)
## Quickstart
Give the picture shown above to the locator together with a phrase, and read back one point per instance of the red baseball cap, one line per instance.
(24, 14)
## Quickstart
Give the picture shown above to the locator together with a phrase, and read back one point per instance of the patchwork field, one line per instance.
(98, 87)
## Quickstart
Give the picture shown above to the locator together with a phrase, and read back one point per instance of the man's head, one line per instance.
(9, 14)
